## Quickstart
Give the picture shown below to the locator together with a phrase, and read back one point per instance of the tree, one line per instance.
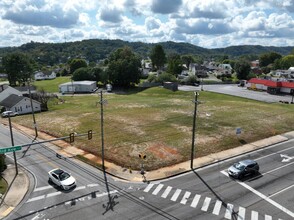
(286, 62)
(83, 73)
(76, 64)
(268, 58)
(19, 68)
(174, 64)
(187, 59)
(124, 67)
(2, 163)
(157, 57)
(242, 69)
(43, 97)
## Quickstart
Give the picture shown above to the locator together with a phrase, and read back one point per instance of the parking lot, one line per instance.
(233, 89)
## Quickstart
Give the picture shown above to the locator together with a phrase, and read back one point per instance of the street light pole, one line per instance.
(194, 127)
(12, 143)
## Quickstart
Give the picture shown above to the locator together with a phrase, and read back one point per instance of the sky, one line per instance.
(204, 23)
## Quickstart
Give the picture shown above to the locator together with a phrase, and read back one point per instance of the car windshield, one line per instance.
(239, 166)
(64, 176)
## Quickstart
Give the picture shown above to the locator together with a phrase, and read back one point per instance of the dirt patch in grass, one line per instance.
(162, 151)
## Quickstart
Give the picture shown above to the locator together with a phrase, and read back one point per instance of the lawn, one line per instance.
(158, 123)
(51, 85)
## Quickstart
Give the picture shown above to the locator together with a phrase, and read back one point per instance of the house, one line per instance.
(223, 69)
(39, 75)
(198, 70)
(20, 104)
(78, 87)
(6, 90)
(271, 86)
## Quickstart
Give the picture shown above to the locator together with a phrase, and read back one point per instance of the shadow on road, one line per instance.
(224, 204)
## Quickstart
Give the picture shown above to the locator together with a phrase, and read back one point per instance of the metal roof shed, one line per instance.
(78, 87)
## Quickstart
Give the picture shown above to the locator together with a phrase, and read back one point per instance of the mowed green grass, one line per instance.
(158, 123)
(51, 85)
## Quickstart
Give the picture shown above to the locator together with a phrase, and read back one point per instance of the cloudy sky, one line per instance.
(205, 23)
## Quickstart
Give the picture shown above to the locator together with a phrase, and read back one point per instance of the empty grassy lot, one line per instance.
(158, 122)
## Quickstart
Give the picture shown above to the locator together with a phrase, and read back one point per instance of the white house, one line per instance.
(43, 75)
(78, 87)
(6, 91)
(20, 104)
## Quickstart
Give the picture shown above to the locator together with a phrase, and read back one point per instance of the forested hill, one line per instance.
(95, 49)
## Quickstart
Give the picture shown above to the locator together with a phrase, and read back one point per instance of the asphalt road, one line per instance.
(233, 89)
(207, 193)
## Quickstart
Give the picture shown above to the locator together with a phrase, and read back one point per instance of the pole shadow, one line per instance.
(224, 204)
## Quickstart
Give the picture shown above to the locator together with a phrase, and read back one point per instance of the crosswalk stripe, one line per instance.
(254, 215)
(166, 192)
(229, 211)
(267, 217)
(176, 195)
(217, 207)
(158, 188)
(241, 213)
(195, 201)
(42, 188)
(206, 204)
(185, 197)
(150, 185)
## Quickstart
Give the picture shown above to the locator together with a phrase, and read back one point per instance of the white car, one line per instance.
(62, 179)
(9, 113)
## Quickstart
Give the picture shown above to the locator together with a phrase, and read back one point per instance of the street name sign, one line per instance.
(9, 149)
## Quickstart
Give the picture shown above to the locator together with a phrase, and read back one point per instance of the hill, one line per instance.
(98, 49)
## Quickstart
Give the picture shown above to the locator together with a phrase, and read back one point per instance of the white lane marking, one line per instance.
(92, 185)
(217, 207)
(158, 188)
(285, 210)
(166, 192)
(53, 194)
(254, 215)
(289, 187)
(185, 198)
(241, 213)
(229, 211)
(206, 204)
(42, 188)
(79, 188)
(267, 217)
(148, 187)
(288, 164)
(195, 201)
(176, 195)
(36, 198)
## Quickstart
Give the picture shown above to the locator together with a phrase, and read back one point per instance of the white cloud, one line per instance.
(209, 23)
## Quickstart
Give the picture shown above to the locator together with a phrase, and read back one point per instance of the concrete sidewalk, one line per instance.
(19, 185)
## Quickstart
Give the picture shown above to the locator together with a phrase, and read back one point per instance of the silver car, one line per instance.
(243, 168)
(62, 179)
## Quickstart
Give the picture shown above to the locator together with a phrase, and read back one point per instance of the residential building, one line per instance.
(43, 75)
(20, 104)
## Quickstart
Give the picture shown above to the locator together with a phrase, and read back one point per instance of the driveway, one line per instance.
(233, 89)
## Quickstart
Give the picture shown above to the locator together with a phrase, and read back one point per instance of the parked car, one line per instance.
(62, 179)
(243, 168)
(7, 113)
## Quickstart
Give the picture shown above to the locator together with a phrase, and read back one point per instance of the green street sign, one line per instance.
(9, 149)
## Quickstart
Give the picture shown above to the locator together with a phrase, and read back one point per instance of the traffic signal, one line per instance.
(89, 134)
(71, 137)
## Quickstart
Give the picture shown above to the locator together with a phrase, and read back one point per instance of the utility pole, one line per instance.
(194, 127)
(33, 112)
(12, 143)
(102, 102)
